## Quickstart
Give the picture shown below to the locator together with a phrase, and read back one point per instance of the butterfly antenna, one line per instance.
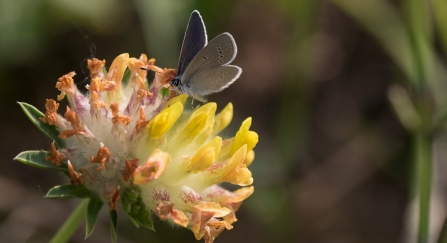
(83, 72)
(147, 69)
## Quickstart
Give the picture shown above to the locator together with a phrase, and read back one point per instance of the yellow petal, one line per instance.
(180, 98)
(153, 168)
(206, 155)
(249, 158)
(236, 171)
(162, 122)
(222, 120)
(117, 68)
(200, 120)
(244, 136)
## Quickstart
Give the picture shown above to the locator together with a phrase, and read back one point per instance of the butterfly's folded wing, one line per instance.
(219, 51)
(195, 39)
(207, 81)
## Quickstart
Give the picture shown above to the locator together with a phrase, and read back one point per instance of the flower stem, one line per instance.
(68, 228)
(423, 148)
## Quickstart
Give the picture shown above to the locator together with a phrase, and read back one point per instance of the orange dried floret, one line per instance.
(56, 157)
(117, 118)
(151, 61)
(131, 165)
(165, 210)
(199, 220)
(76, 177)
(95, 101)
(51, 116)
(65, 84)
(107, 85)
(143, 93)
(94, 85)
(101, 157)
(141, 123)
(114, 199)
(135, 65)
(214, 228)
(73, 118)
(95, 67)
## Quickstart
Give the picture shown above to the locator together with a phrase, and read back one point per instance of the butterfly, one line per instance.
(203, 67)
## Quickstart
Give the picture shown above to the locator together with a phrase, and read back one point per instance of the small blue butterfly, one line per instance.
(203, 68)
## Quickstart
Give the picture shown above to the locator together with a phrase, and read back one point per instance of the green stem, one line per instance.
(423, 143)
(443, 234)
(68, 228)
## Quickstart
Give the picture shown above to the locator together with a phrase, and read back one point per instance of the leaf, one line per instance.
(37, 159)
(397, 44)
(49, 130)
(113, 216)
(69, 191)
(134, 221)
(94, 207)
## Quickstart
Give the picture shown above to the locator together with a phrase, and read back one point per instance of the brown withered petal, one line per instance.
(101, 157)
(56, 157)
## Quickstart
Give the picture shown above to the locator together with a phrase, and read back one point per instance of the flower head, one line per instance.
(125, 141)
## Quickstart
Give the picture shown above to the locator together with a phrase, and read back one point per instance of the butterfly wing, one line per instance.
(195, 39)
(208, 72)
(220, 51)
(208, 81)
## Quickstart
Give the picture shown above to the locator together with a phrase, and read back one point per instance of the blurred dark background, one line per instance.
(333, 163)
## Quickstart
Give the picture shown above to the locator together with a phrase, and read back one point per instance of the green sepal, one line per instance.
(94, 207)
(142, 216)
(69, 191)
(134, 221)
(131, 195)
(145, 219)
(49, 130)
(113, 217)
(136, 210)
(37, 158)
(126, 206)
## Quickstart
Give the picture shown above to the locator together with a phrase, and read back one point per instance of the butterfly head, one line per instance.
(176, 82)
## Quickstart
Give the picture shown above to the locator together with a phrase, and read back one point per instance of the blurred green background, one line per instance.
(348, 98)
